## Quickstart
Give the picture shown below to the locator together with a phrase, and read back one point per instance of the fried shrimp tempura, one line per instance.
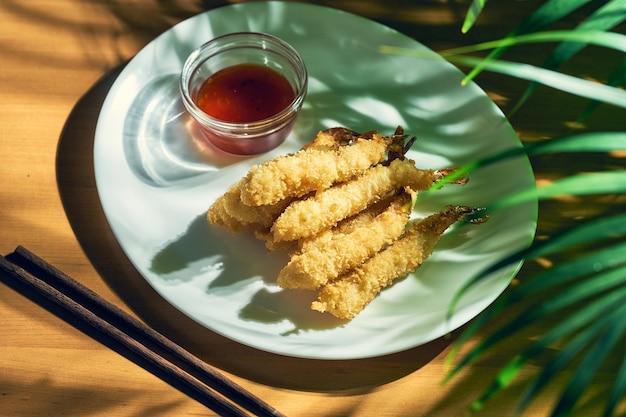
(230, 212)
(328, 207)
(326, 259)
(351, 293)
(346, 226)
(218, 215)
(339, 208)
(333, 138)
(314, 168)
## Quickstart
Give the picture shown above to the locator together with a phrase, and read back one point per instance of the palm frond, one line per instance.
(606, 259)
(619, 387)
(604, 228)
(595, 284)
(611, 40)
(554, 79)
(605, 18)
(550, 12)
(603, 334)
(609, 339)
(616, 79)
(474, 10)
(588, 292)
(592, 314)
(577, 185)
(583, 142)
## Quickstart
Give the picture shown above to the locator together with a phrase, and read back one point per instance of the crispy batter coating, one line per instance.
(328, 207)
(230, 212)
(335, 207)
(218, 214)
(311, 169)
(332, 138)
(340, 251)
(349, 294)
(346, 226)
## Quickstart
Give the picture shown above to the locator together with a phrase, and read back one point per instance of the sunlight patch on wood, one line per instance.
(576, 125)
(499, 99)
(544, 262)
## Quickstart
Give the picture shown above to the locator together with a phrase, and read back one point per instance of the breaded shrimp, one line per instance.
(335, 208)
(230, 212)
(311, 169)
(329, 258)
(346, 226)
(218, 215)
(326, 208)
(332, 138)
(348, 295)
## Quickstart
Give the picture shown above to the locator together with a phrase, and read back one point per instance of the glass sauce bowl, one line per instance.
(245, 90)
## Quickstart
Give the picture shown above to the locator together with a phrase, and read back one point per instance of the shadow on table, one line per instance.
(76, 182)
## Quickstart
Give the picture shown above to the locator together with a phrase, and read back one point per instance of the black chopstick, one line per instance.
(112, 322)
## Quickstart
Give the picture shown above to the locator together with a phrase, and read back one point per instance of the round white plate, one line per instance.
(156, 179)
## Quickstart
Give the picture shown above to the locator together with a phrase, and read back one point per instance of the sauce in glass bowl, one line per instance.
(245, 93)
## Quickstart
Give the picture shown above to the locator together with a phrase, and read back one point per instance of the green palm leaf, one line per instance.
(617, 78)
(560, 275)
(592, 314)
(550, 78)
(604, 228)
(611, 40)
(577, 185)
(598, 297)
(584, 142)
(473, 12)
(605, 332)
(550, 12)
(589, 291)
(605, 18)
(619, 387)
(590, 364)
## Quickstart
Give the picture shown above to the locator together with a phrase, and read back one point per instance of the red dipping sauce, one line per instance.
(245, 93)
(249, 107)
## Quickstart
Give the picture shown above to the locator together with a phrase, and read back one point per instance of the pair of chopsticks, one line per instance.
(146, 346)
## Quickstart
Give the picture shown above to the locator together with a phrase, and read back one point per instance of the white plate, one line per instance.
(156, 180)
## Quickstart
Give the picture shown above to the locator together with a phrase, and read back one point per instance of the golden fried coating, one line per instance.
(230, 212)
(311, 169)
(332, 138)
(218, 214)
(346, 226)
(329, 257)
(328, 207)
(340, 208)
(349, 294)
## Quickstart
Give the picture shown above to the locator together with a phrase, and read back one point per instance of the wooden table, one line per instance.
(58, 61)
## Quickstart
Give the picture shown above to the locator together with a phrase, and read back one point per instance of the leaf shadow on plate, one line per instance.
(288, 305)
(232, 261)
(202, 247)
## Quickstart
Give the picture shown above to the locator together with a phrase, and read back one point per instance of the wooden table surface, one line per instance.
(58, 60)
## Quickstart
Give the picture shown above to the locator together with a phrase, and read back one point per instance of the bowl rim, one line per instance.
(245, 39)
